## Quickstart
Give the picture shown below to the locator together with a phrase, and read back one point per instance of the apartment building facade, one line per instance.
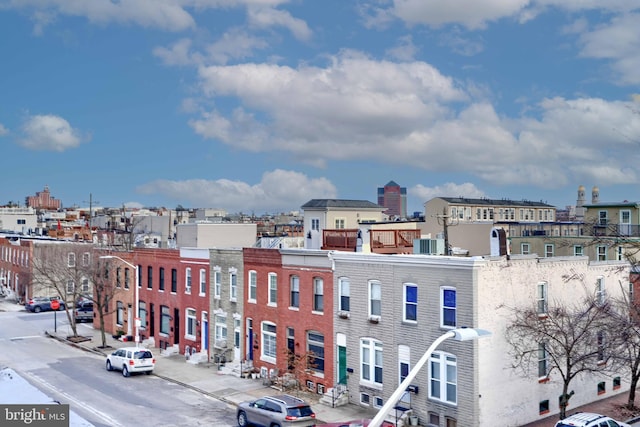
(389, 309)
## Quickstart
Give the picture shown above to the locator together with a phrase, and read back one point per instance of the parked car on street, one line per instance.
(362, 422)
(131, 360)
(38, 304)
(589, 419)
(83, 311)
(282, 410)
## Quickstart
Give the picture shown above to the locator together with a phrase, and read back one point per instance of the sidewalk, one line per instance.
(205, 378)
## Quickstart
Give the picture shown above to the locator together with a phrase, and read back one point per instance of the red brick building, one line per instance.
(288, 314)
(43, 200)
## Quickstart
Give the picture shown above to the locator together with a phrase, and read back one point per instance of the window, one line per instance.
(187, 281)
(378, 402)
(315, 224)
(410, 308)
(616, 383)
(602, 389)
(543, 360)
(236, 333)
(118, 277)
(174, 280)
(602, 218)
(217, 282)
(601, 346)
(203, 281)
(601, 252)
(525, 249)
(165, 318)
(542, 298)
(448, 301)
(221, 328)
(273, 289)
(450, 422)
(71, 260)
(161, 282)
(269, 341)
(119, 313)
(371, 360)
(294, 298)
(343, 288)
(443, 377)
(127, 278)
(340, 223)
(548, 250)
(620, 254)
(404, 367)
(315, 347)
(434, 419)
(578, 250)
(84, 287)
(364, 398)
(318, 294)
(86, 259)
(253, 285)
(71, 286)
(233, 284)
(149, 277)
(543, 407)
(601, 291)
(190, 333)
(375, 299)
(142, 313)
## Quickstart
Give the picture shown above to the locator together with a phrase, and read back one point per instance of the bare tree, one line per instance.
(565, 339)
(73, 271)
(624, 333)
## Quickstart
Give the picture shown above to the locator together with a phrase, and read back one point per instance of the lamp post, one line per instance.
(136, 320)
(460, 334)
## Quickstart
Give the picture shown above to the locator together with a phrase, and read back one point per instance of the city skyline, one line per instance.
(262, 105)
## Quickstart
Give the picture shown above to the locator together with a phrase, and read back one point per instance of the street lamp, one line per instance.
(460, 334)
(136, 320)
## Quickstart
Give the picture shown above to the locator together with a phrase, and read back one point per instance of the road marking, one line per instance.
(107, 419)
(26, 337)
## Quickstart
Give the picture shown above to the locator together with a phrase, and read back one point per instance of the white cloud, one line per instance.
(278, 189)
(50, 133)
(618, 41)
(409, 114)
(404, 51)
(234, 44)
(266, 17)
(3, 130)
(449, 189)
(179, 53)
(164, 14)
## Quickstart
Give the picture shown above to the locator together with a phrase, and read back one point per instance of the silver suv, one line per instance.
(276, 411)
(588, 419)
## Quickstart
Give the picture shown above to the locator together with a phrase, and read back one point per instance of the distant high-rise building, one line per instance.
(394, 198)
(43, 200)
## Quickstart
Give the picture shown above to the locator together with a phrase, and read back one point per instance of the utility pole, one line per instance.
(444, 221)
(90, 209)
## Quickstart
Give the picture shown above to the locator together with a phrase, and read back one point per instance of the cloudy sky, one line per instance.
(262, 105)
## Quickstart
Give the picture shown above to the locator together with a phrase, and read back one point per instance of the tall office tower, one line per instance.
(394, 198)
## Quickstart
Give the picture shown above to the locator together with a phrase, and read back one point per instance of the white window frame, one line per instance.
(71, 259)
(315, 224)
(601, 252)
(549, 250)
(190, 323)
(543, 361)
(525, 248)
(441, 364)
(542, 299)
(294, 292)
(84, 286)
(443, 308)
(142, 314)
(371, 358)
(312, 342)
(318, 294)
(71, 286)
(269, 339)
(273, 290)
(340, 223)
(220, 324)
(375, 299)
(578, 250)
(217, 282)
(601, 290)
(86, 259)
(406, 303)
(203, 282)
(187, 280)
(253, 286)
(344, 285)
(233, 284)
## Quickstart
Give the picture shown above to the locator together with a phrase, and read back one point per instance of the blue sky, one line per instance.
(261, 105)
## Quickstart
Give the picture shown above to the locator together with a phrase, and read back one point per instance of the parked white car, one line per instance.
(588, 419)
(131, 360)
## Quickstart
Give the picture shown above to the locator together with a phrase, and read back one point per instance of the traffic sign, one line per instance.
(55, 304)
